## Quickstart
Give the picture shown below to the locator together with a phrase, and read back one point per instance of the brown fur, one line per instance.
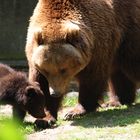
(21, 94)
(4, 70)
(92, 40)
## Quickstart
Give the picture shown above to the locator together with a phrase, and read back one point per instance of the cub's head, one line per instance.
(34, 101)
(62, 50)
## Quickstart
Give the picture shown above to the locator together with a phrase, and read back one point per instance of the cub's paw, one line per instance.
(75, 113)
(46, 122)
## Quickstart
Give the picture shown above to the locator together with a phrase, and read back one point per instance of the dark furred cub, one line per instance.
(16, 90)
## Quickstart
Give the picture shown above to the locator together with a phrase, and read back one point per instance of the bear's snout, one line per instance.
(55, 94)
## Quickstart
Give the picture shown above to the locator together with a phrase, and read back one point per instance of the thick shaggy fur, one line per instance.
(4, 70)
(21, 94)
(95, 41)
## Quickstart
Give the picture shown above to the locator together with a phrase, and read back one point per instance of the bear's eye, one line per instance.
(63, 71)
(47, 73)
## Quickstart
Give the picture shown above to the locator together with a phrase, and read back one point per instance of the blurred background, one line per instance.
(14, 20)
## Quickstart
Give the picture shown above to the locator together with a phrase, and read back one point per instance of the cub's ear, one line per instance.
(30, 91)
(36, 84)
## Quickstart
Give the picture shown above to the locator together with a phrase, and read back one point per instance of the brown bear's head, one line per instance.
(62, 51)
(34, 101)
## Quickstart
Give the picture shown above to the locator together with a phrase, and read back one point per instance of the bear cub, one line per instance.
(16, 90)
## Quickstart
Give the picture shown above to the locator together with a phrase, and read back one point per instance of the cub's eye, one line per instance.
(63, 71)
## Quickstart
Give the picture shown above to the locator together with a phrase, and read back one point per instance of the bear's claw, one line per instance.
(76, 112)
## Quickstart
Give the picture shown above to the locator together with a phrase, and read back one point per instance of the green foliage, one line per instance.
(69, 101)
(9, 130)
(27, 128)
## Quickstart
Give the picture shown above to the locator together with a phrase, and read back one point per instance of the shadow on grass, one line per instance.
(27, 124)
(122, 116)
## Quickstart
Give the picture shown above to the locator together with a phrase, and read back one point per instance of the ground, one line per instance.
(106, 124)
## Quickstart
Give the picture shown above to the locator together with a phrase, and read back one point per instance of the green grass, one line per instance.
(113, 123)
(106, 124)
(26, 127)
(69, 101)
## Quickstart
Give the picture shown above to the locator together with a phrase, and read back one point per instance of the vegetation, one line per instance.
(9, 130)
(113, 123)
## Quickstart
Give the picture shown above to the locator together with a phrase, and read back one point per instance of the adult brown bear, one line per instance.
(92, 40)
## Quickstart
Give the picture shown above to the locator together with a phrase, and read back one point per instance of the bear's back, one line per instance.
(11, 81)
(4, 70)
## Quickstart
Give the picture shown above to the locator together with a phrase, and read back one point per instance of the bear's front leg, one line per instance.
(90, 92)
(52, 104)
(18, 113)
(52, 107)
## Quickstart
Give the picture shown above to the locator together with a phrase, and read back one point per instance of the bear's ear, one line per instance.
(30, 91)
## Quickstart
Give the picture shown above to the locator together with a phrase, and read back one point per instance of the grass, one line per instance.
(69, 101)
(113, 123)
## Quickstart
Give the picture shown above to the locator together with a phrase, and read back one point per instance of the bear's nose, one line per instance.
(54, 93)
